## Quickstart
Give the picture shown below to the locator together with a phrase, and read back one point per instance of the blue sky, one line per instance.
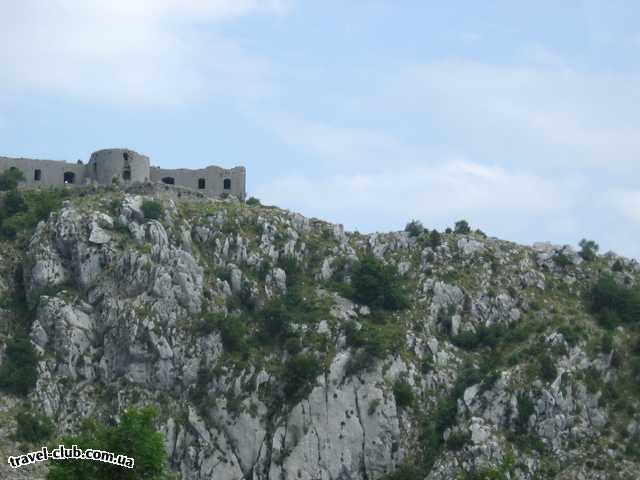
(521, 117)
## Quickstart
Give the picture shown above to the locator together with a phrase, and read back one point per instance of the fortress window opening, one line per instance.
(227, 184)
(126, 169)
(201, 184)
(169, 180)
(69, 177)
(37, 175)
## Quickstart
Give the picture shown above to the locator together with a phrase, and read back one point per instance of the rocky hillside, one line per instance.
(280, 347)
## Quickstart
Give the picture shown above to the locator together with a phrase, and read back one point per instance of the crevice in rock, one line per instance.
(363, 466)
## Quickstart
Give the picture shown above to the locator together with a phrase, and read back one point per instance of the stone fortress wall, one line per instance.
(127, 167)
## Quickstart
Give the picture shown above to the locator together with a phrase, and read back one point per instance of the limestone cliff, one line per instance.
(495, 362)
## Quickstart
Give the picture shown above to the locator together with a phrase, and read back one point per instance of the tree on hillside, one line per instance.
(378, 285)
(589, 249)
(10, 178)
(135, 436)
(462, 227)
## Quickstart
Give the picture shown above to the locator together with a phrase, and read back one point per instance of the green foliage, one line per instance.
(10, 178)
(504, 471)
(548, 370)
(372, 341)
(562, 260)
(589, 249)
(135, 436)
(613, 304)
(292, 268)
(403, 393)
(457, 440)
(276, 320)
(232, 328)
(254, 202)
(606, 343)
(462, 227)
(378, 285)
(14, 202)
(300, 373)
(435, 239)
(152, 209)
(233, 333)
(571, 333)
(488, 337)
(405, 472)
(33, 428)
(525, 410)
(300, 305)
(414, 228)
(23, 210)
(18, 373)
(373, 406)
(377, 340)
(433, 428)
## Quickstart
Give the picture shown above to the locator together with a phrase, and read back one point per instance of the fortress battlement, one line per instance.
(125, 167)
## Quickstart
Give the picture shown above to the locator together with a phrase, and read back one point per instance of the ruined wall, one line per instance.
(128, 167)
(51, 172)
(125, 165)
(211, 178)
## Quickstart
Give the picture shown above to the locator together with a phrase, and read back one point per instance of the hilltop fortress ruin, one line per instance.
(124, 166)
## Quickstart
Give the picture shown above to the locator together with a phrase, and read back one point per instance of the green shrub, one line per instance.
(373, 406)
(10, 178)
(18, 373)
(14, 202)
(562, 260)
(275, 321)
(525, 410)
(483, 337)
(613, 304)
(378, 285)
(457, 440)
(376, 340)
(233, 332)
(571, 333)
(292, 268)
(300, 374)
(504, 471)
(152, 209)
(589, 249)
(403, 394)
(23, 210)
(414, 228)
(135, 436)
(254, 202)
(405, 472)
(435, 239)
(33, 428)
(606, 343)
(548, 370)
(462, 227)
(360, 361)
(617, 266)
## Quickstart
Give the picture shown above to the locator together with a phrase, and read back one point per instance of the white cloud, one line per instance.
(123, 49)
(555, 113)
(507, 202)
(626, 203)
(332, 143)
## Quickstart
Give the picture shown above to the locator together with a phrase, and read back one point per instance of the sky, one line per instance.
(521, 117)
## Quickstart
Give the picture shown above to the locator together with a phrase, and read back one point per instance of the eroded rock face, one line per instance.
(125, 313)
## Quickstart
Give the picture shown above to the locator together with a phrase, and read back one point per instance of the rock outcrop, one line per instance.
(495, 362)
